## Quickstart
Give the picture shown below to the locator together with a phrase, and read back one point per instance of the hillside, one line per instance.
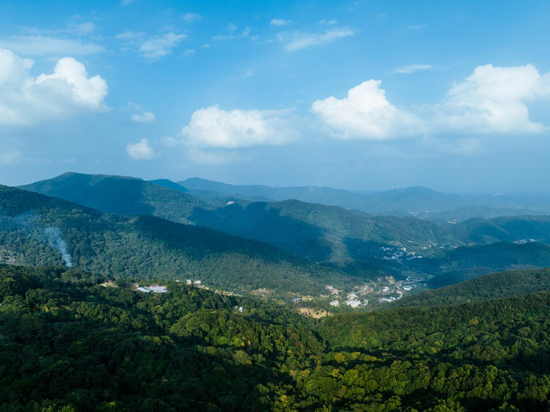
(69, 344)
(496, 256)
(464, 213)
(310, 194)
(314, 231)
(121, 195)
(38, 229)
(492, 286)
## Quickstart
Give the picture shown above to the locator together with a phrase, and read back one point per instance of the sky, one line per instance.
(361, 95)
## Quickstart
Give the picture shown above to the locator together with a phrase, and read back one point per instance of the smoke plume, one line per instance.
(55, 239)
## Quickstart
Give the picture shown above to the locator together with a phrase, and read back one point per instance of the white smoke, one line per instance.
(55, 239)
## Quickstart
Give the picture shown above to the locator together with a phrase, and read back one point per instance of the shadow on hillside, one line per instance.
(259, 222)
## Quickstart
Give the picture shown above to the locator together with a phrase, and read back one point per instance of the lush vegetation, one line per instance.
(146, 247)
(492, 286)
(68, 343)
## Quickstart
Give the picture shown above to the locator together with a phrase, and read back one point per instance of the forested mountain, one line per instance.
(464, 213)
(496, 256)
(69, 344)
(38, 229)
(349, 240)
(491, 286)
(315, 231)
(169, 184)
(415, 201)
(310, 194)
(121, 195)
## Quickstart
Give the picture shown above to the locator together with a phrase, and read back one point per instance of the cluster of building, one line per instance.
(352, 300)
(398, 254)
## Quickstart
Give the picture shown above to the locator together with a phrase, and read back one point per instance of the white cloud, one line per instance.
(298, 40)
(280, 22)
(189, 52)
(411, 68)
(232, 36)
(38, 45)
(216, 128)
(157, 47)
(82, 29)
(24, 99)
(328, 22)
(366, 114)
(191, 17)
(146, 117)
(493, 100)
(140, 150)
(151, 48)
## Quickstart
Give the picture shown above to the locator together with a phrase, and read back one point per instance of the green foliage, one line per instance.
(146, 247)
(69, 344)
(496, 285)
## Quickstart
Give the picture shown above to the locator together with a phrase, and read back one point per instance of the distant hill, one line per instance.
(310, 194)
(315, 231)
(170, 185)
(120, 195)
(321, 233)
(412, 201)
(492, 286)
(453, 216)
(496, 256)
(38, 229)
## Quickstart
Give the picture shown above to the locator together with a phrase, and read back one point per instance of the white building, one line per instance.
(334, 303)
(354, 303)
(154, 289)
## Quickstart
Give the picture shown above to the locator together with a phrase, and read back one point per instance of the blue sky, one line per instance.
(361, 95)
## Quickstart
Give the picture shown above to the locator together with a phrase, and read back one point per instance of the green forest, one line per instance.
(68, 343)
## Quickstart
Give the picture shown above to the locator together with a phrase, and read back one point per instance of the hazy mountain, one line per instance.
(121, 195)
(38, 229)
(453, 216)
(318, 232)
(310, 194)
(169, 184)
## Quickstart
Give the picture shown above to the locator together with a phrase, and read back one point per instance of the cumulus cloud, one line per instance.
(280, 22)
(140, 150)
(493, 100)
(411, 68)
(146, 117)
(298, 40)
(69, 89)
(213, 127)
(366, 113)
(38, 45)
